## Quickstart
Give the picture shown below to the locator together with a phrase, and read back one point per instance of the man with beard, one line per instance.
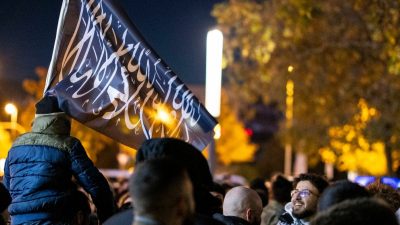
(242, 206)
(304, 199)
(162, 193)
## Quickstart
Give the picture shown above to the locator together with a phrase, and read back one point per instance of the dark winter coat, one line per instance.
(39, 169)
(230, 220)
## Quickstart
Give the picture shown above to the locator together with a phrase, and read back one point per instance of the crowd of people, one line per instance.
(49, 179)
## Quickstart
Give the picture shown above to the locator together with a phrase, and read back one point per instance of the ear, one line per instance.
(249, 214)
(181, 207)
(80, 218)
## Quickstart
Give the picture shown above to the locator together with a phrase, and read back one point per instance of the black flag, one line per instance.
(107, 77)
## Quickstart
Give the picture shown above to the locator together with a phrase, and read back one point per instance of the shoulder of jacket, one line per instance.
(285, 218)
(63, 142)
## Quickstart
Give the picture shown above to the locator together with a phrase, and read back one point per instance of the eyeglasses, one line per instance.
(303, 193)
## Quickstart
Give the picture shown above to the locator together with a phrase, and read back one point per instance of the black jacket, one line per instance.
(230, 220)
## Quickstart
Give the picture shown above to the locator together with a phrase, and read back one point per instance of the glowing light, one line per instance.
(217, 132)
(11, 109)
(163, 116)
(213, 72)
(2, 164)
(249, 131)
(290, 68)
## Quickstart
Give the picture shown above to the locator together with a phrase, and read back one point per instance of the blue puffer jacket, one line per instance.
(38, 172)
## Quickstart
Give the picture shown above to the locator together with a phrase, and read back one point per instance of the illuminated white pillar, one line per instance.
(213, 84)
(214, 72)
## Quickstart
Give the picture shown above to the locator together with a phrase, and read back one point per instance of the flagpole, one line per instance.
(50, 72)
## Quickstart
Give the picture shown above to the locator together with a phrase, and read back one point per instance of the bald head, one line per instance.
(244, 203)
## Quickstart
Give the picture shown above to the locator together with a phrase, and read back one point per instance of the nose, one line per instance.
(296, 196)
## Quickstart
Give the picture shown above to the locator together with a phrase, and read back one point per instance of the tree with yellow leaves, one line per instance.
(351, 151)
(339, 51)
(233, 146)
(5, 140)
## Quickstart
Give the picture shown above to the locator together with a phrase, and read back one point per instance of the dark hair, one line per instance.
(386, 192)
(48, 104)
(340, 191)
(187, 155)
(316, 180)
(360, 211)
(192, 160)
(281, 188)
(258, 185)
(156, 184)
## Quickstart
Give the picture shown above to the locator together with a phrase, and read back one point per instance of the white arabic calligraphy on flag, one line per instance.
(107, 77)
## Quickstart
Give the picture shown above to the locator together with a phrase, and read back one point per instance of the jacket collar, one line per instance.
(54, 123)
(288, 208)
(230, 220)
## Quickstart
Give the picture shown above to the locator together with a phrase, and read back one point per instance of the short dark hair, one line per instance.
(340, 191)
(386, 192)
(258, 184)
(281, 188)
(192, 160)
(48, 104)
(156, 184)
(360, 211)
(316, 180)
(187, 155)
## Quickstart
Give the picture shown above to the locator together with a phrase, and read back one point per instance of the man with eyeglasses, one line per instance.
(304, 199)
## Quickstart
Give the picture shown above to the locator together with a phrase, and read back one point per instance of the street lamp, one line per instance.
(13, 111)
(213, 85)
(289, 123)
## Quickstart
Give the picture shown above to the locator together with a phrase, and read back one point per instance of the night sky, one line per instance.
(175, 29)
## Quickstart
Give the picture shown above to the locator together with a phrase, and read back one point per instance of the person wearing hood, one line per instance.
(40, 167)
(304, 199)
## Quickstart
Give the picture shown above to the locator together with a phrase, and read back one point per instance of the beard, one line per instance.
(189, 219)
(303, 214)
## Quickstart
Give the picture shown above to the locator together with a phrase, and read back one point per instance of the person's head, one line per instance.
(47, 105)
(162, 190)
(340, 191)
(258, 184)
(244, 203)
(81, 208)
(358, 211)
(307, 189)
(281, 188)
(192, 160)
(385, 192)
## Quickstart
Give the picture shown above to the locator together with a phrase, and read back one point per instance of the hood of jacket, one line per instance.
(53, 123)
(289, 209)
